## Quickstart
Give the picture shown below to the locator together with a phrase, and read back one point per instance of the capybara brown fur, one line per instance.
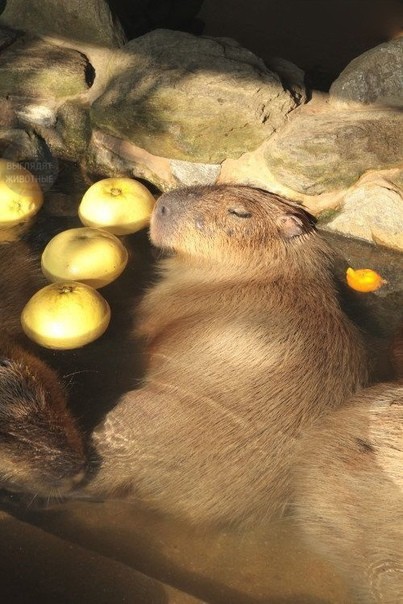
(246, 345)
(42, 451)
(396, 353)
(349, 492)
(349, 488)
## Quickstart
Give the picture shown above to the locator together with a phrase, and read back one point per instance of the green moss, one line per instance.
(327, 216)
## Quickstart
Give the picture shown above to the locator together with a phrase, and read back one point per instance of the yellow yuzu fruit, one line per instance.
(20, 194)
(91, 256)
(118, 205)
(65, 315)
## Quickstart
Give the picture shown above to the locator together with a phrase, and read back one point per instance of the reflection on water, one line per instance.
(112, 540)
(223, 567)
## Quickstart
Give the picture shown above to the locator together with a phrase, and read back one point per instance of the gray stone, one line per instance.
(329, 151)
(32, 68)
(192, 98)
(17, 145)
(188, 173)
(374, 77)
(32, 113)
(89, 21)
(101, 160)
(32, 152)
(372, 211)
(8, 118)
(69, 135)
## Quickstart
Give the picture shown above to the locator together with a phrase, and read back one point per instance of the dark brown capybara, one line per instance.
(42, 451)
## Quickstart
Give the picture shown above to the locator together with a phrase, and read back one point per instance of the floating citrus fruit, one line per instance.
(65, 315)
(118, 205)
(91, 256)
(20, 194)
(364, 279)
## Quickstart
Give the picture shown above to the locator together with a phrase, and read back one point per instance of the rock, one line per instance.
(74, 127)
(69, 135)
(330, 150)
(87, 20)
(292, 77)
(372, 210)
(110, 156)
(192, 98)
(8, 118)
(33, 68)
(374, 77)
(190, 173)
(32, 113)
(32, 152)
(7, 37)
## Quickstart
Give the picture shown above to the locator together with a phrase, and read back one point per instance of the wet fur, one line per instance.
(349, 493)
(41, 449)
(247, 347)
(349, 498)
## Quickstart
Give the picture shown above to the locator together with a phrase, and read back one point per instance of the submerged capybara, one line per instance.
(41, 449)
(246, 345)
(349, 489)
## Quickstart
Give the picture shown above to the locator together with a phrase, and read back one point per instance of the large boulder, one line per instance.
(89, 21)
(191, 98)
(34, 68)
(374, 77)
(331, 150)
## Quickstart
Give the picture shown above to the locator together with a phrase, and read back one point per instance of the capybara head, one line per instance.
(217, 221)
(41, 449)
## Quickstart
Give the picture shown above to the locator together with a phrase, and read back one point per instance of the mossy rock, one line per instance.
(37, 69)
(317, 153)
(192, 98)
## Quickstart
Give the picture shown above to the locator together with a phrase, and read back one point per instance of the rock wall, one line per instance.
(178, 109)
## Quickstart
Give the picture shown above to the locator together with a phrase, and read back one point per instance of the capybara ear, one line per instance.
(291, 226)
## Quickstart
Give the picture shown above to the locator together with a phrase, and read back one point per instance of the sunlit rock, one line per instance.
(192, 98)
(376, 76)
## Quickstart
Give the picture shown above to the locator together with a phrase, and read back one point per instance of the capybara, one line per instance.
(349, 492)
(349, 488)
(42, 451)
(246, 347)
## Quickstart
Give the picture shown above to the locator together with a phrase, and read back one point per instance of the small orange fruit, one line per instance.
(364, 279)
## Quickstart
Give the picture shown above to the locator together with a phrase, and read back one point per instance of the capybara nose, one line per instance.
(163, 210)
